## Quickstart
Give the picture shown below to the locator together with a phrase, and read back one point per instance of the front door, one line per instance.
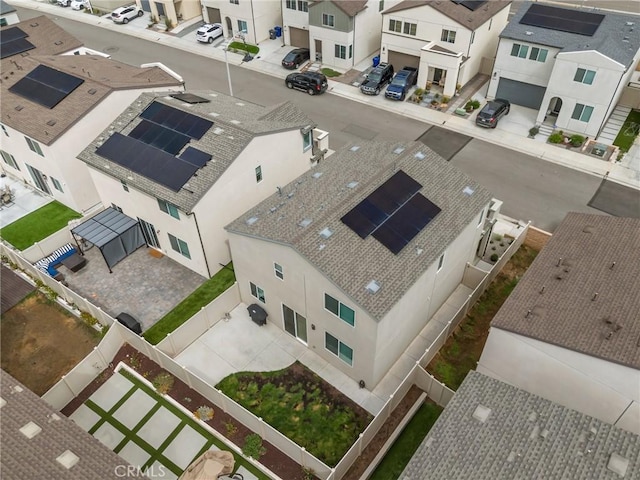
(318, 44)
(149, 232)
(295, 324)
(437, 75)
(229, 27)
(38, 179)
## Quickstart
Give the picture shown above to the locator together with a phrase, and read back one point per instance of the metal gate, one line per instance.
(299, 37)
(520, 93)
(399, 60)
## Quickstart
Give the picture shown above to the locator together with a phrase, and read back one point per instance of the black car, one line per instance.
(377, 79)
(311, 82)
(493, 111)
(295, 58)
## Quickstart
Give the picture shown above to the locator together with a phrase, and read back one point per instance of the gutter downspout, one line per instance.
(353, 48)
(206, 263)
(253, 20)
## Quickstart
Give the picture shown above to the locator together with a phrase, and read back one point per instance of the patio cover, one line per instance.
(114, 233)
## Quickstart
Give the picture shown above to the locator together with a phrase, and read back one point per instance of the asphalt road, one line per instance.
(531, 189)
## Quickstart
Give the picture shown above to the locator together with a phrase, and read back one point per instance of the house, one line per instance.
(162, 10)
(185, 165)
(448, 41)
(339, 33)
(52, 101)
(40, 442)
(8, 14)
(569, 331)
(354, 258)
(572, 73)
(492, 430)
(251, 18)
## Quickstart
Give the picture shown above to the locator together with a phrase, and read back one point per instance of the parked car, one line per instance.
(492, 112)
(130, 322)
(295, 58)
(401, 83)
(78, 4)
(124, 14)
(377, 79)
(311, 82)
(64, 3)
(209, 32)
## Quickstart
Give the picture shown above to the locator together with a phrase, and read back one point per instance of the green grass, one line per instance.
(629, 131)
(245, 47)
(330, 73)
(407, 443)
(191, 305)
(38, 225)
(296, 403)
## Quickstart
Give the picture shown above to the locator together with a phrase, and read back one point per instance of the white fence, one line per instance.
(44, 247)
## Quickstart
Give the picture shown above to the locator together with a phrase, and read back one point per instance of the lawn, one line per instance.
(629, 131)
(245, 47)
(301, 406)
(328, 72)
(462, 350)
(407, 443)
(191, 305)
(38, 225)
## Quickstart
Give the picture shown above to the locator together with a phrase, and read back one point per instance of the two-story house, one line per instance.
(8, 14)
(354, 258)
(185, 165)
(569, 64)
(251, 18)
(570, 330)
(448, 41)
(54, 98)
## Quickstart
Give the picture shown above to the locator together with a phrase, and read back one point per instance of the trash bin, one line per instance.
(272, 34)
(376, 61)
(278, 31)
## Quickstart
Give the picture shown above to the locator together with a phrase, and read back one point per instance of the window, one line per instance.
(3, 22)
(4, 129)
(258, 174)
(303, 5)
(473, 36)
(9, 159)
(235, 2)
(278, 271)
(56, 185)
(169, 208)
(410, 29)
(242, 26)
(341, 51)
(125, 187)
(179, 246)
(538, 54)
(34, 146)
(291, 4)
(328, 20)
(395, 26)
(519, 50)
(582, 112)
(381, 5)
(350, 51)
(448, 36)
(584, 76)
(257, 292)
(116, 207)
(481, 218)
(339, 309)
(307, 140)
(440, 262)
(339, 349)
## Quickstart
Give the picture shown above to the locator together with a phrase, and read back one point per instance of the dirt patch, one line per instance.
(41, 342)
(348, 77)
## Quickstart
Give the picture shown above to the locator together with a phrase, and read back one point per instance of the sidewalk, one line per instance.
(268, 62)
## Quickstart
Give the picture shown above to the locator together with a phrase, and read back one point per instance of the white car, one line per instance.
(124, 14)
(78, 4)
(209, 32)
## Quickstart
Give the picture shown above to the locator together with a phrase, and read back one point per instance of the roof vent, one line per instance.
(373, 287)
(618, 464)
(317, 175)
(481, 413)
(235, 122)
(355, 148)
(16, 389)
(399, 150)
(19, 108)
(92, 91)
(30, 430)
(419, 155)
(468, 190)
(321, 247)
(51, 123)
(58, 42)
(305, 222)
(252, 220)
(353, 184)
(629, 24)
(68, 459)
(240, 104)
(326, 233)
(218, 130)
(528, 33)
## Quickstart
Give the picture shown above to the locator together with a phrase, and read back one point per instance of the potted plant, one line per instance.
(533, 131)
(418, 95)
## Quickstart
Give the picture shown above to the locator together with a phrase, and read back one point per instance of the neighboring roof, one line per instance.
(582, 290)
(459, 13)
(6, 8)
(326, 193)
(13, 288)
(35, 458)
(47, 38)
(101, 77)
(613, 38)
(523, 436)
(235, 125)
(350, 7)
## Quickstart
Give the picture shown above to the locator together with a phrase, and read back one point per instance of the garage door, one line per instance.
(399, 60)
(299, 37)
(520, 93)
(214, 15)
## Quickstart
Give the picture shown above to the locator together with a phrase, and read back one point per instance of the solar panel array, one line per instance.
(177, 120)
(553, 18)
(472, 5)
(46, 86)
(189, 98)
(393, 214)
(160, 137)
(13, 41)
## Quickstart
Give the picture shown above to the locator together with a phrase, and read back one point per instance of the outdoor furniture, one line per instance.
(6, 196)
(74, 262)
(48, 264)
(210, 466)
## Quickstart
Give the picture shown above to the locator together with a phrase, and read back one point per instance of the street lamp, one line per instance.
(239, 35)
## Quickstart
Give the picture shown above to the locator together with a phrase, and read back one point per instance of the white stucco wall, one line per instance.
(260, 15)
(329, 39)
(367, 32)
(11, 18)
(590, 385)
(484, 45)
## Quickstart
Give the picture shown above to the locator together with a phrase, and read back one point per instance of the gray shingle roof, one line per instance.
(323, 197)
(613, 38)
(350, 7)
(5, 8)
(236, 123)
(35, 458)
(576, 264)
(523, 437)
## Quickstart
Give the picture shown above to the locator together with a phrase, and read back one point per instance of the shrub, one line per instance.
(494, 257)
(446, 99)
(231, 428)
(556, 137)
(253, 446)
(308, 473)
(475, 104)
(576, 140)
(163, 382)
(419, 92)
(328, 72)
(203, 413)
(168, 23)
(533, 131)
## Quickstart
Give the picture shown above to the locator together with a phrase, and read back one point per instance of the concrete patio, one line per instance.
(25, 200)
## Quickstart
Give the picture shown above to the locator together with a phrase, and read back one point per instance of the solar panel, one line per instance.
(183, 122)
(559, 19)
(19, 45)
(195, 157)
(189, 98)
(472, 5)
(11, 34)
(160, 137)
(46, 86)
